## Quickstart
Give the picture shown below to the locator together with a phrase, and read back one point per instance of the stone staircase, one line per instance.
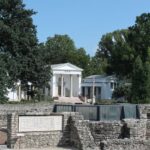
(71, 100)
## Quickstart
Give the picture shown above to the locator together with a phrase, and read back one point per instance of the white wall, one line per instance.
(75, 86)
(12, 95)
(66, 85)
(66, 88)
(106, 90)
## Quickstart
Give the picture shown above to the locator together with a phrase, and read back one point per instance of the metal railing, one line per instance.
(102, 112)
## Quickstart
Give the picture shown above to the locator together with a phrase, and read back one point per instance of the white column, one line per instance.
(71, 85)
(93, 91)
(93, 88)
(79, 82)
(53, 85)
(62, 86)
(19, 92)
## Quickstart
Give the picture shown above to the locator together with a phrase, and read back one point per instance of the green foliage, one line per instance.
(18, 42)
(115, 49)
(127, 55)
(82, 60)
(96, 66)
(4, 79)
(141, 80)
(61, 49)
(137, 79)
(122, 47)
(122, 92)
(105, 102)
(139, 36)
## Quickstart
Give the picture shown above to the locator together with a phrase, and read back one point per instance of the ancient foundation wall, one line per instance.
(21, 108)
(84, 135)
(126, 144)
(36, 139)
(105, 130)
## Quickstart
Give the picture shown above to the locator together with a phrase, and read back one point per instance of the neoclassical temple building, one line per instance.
(66, 80)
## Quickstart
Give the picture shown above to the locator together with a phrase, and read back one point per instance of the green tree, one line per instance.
(122, 92)
(139, 79)
(82, 60)
(127, 55)
(19, 43)
(96, 66)
(139, 36)
(147, 77)
(4, 80)
(114, 48)
(61, 49)
(122, 47)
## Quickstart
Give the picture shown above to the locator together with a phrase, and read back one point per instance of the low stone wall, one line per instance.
(76, 133)
(105, 130)
(136, 128)
(125, 144)
(128, 128)
(144, 110)
(22, 108)
(36, 139)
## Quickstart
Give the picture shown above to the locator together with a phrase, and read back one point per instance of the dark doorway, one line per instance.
(59, 90)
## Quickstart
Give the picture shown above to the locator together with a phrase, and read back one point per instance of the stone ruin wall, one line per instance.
(6, 109)
(126, 144)
(37, 139)
(85, 135)
(120, 135)
(21, 108)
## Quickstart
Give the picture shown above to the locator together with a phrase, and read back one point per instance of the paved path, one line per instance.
(3, 147)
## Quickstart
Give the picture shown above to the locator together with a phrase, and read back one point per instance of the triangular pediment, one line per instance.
(66, 66)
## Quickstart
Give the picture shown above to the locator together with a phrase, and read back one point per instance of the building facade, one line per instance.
(98, 86)
(65, 81)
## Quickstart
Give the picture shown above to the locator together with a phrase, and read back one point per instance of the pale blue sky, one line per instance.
(85, 21)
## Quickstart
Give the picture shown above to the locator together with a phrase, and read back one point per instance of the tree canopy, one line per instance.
(114, 47)
(19, 45)
(61, 49)
(122, 47)
(127, 55)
